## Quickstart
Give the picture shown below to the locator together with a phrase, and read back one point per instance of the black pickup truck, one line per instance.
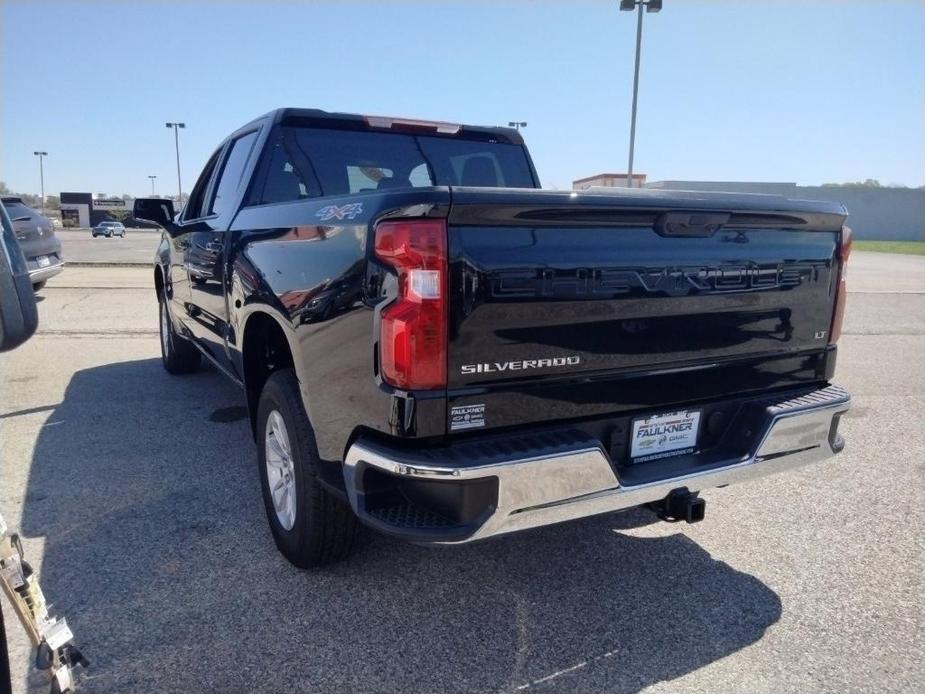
(431, 344)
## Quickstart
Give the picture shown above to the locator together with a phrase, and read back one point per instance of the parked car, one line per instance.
(108, 229)
(38, 241)
(492, 357)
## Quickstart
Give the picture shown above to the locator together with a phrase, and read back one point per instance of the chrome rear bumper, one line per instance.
(44, 273)
(574, 481)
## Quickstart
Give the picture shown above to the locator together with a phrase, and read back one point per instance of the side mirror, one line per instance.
(155, 210)
(18, 315)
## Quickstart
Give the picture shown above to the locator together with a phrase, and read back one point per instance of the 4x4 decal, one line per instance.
(348, 211)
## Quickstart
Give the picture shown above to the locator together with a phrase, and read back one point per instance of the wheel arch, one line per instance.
(265, 348)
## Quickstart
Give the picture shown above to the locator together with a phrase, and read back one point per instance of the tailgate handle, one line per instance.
(690, 223)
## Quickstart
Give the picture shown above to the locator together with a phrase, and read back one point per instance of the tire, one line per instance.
(322, 528)
(37, 286)
(178, 355)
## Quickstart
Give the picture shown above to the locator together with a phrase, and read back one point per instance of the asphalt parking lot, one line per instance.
(138, 499)
(138, 246)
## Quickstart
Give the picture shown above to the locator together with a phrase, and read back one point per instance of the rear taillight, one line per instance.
(841, 292)
(413, 332)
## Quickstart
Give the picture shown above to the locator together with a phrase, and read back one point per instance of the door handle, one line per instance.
(215, 246)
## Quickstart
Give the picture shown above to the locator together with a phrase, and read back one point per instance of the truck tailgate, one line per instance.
(578, 305)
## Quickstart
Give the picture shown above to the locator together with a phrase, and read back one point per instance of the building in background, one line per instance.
(84, 210)
(608, 180)
(874, 212)
(763, 187)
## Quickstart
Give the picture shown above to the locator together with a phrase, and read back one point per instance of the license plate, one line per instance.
(664, 435)
(43, 261)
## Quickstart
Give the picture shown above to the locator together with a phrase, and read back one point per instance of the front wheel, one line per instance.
(36, 286)
(310, 526)
(178, 356)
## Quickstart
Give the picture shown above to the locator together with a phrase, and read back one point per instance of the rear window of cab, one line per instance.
(312, 162)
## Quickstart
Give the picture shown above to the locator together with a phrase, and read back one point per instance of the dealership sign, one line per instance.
(108, 204)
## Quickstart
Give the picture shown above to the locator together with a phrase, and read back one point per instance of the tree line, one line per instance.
(867, 183)
(53, 202)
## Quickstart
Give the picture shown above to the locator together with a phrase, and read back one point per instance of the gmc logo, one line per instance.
(670, 281)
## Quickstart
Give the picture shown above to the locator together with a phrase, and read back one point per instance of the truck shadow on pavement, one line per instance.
(157, 551)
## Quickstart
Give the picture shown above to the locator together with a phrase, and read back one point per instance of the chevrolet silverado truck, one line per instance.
(432, 345)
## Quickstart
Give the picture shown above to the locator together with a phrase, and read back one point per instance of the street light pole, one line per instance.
(629, 168)
(517, 124)
(152, 184)
(41, 156)
(629, 5)
(176, 140)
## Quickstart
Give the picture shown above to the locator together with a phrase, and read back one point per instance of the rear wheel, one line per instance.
(179, 356)
(311, 527)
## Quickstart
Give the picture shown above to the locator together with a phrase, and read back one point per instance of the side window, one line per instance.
(230, 177)
(194, 206)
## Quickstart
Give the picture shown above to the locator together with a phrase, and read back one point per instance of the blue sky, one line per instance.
(806, 92)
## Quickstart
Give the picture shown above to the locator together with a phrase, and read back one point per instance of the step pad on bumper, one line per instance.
(410, 516)
(831, 395)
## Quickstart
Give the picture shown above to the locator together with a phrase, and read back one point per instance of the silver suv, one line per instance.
(108, 229)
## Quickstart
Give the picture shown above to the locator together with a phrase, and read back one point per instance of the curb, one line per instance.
(71, 263)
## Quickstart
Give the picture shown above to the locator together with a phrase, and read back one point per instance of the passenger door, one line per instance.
(178, 276)
(206, 252)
